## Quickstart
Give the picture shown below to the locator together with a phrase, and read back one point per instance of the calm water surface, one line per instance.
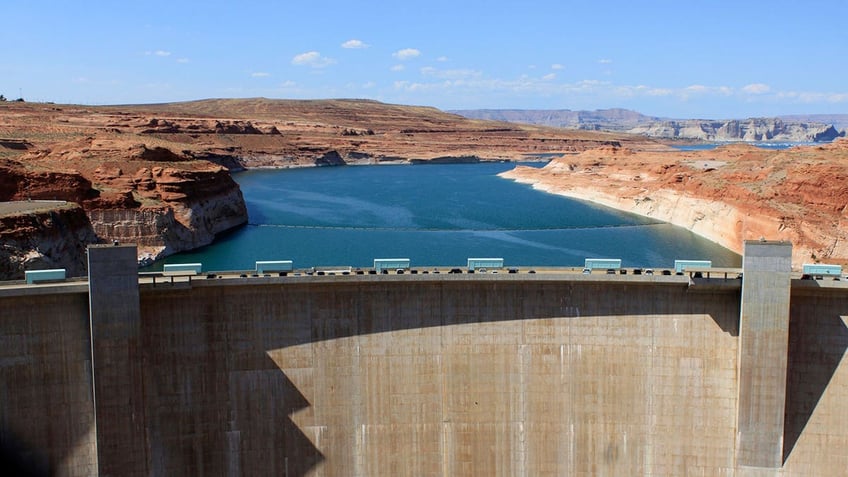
(433, 215)
(763, 145)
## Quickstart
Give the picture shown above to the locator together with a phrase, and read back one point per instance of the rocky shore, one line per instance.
(727, 195)
(160, 175)
(43, 235)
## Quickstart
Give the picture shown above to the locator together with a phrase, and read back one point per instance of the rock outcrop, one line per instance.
(198, 126)
(42, 235)
(749, 130)
(159, 175)
(730, 194)
(164, 201)
(19, 183)
(789, 129)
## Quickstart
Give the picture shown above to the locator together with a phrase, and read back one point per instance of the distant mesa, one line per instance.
(799, 128)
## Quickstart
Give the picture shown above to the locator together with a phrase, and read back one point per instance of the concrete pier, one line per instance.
(117, 359)
(763, 353)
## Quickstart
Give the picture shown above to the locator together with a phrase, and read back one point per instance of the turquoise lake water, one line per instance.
(434, 215)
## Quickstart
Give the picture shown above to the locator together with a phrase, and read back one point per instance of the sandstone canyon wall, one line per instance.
(749, 130)
(164, 208)
(43, 236)
(173, 209)
(159, 175)
(727, 195)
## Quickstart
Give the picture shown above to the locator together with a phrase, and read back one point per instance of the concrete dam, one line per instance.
(558, 374)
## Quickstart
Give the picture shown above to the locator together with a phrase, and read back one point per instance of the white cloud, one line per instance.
(471, 83)
(165, 54)
(288, 84)
(312, 59)
(260, 74)
(472, 87)
(557, 66)
(457, 74)
(355, 44)
(756, 88)
(397, 68)
(658, 91)
(590, 83)
(707, 90)
(808, 97)
(605, 61)
(410, 86)
(442, 59)
(406, 54)
(369, 85)
(837, 98)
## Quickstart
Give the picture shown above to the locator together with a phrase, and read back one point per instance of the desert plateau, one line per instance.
(159, 175)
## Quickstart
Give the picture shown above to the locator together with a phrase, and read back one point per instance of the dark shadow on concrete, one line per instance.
(818, 339)
(378, 309)
(718, 286)
(215, 400)
(207, 348)
(19, 458)
(45, 406)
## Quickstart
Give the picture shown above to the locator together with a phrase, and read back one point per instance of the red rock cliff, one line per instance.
(148, 173)
(161, 200)
(728, 195)
(185, 210)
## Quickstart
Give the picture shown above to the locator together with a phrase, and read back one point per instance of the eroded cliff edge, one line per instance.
(165, 203)
(43, 235)
(159, 175)
(727, 195)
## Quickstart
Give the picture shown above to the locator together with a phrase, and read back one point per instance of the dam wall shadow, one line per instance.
(455, 375)
(817, 381)
(47, 422)
(445, 377)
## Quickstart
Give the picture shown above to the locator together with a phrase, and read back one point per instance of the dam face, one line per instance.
(525, 374)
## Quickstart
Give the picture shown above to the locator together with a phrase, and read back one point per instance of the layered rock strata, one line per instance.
(727, 195)
(815, 128)
(751, 130)
(164, 202)
(159, 175)
(36, 235)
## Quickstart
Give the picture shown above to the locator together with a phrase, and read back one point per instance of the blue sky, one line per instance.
(676, 59)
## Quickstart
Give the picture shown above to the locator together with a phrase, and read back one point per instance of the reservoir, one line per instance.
(435, 214)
